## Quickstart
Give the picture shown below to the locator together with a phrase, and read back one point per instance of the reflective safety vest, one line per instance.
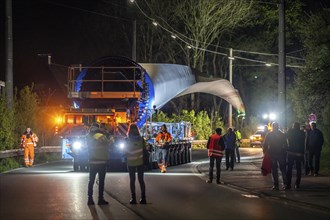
(98, 148)
(135, 151)
(29, 140)
(214, 148)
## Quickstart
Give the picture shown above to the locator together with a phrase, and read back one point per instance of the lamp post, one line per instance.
(230, 110)
(281, 64)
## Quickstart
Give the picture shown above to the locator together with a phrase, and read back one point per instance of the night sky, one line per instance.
(70, 32)
(57, 27)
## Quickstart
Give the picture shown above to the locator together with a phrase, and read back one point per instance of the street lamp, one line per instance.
(231, 58)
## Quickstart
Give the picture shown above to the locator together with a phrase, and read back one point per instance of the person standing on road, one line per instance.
(296, 152)
(314, 144)
(238, 144)
(275, 146)
(307, 129)
(98, 150)
(230, 144)
(215, 146)
(162, 140)
(134, 153)
(29, 142)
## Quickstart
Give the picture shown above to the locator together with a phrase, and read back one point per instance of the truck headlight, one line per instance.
(121, 145)
(76, 145)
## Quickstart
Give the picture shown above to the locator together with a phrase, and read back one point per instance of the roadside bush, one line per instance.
(9, 164)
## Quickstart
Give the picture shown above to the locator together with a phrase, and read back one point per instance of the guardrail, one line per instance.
(20, 152)
(54, 149)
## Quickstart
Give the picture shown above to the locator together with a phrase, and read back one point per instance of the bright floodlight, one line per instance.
(265, 116)
(121, 145)
(272, 116)
(77, 145)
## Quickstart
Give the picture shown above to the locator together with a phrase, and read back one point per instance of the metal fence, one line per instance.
(20, 152)
(54, 149)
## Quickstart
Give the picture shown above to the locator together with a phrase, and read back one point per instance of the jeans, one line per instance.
(140, 172)
(278, 161)
(297, 161)
(230, 154)
(101, 169)
(317, 155)
(217, 165)
(162, 156)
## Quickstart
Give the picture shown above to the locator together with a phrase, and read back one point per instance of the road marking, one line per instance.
(250, 196)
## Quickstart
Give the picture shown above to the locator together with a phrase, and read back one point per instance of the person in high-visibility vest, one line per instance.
(215, 146)
(134, 154)
(28, 142)
(98, 151)
(238, 144)
(162, 140)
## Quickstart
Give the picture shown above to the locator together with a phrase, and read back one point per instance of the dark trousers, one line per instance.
(316, 167)
(297, 160)
(278, 161)
(306, 164)
(237, 154)
(101, 169)
(140, 173)
(230, 158)
(217, 165)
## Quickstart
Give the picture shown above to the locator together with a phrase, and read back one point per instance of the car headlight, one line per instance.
(76, 145)
(121, 145)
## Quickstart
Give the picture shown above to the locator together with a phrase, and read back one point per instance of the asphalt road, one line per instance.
(53, 191)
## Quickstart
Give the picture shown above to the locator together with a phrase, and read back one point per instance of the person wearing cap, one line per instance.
(275, 146)
(28, 142)
(314, 142)
(162, 140)
(98, 150)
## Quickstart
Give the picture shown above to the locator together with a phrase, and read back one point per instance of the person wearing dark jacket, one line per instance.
(98, 150)
(275, 146)
(215, 146)
(296, 152)
(134, 154)
(314, 142)
(230, 144)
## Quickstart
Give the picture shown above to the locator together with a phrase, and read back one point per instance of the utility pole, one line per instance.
(281, 65)
(230, 110)
(134, 41)
(9, 55)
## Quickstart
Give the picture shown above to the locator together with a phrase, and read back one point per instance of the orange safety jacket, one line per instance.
(215, 146)
(32, 140)
(163, 137)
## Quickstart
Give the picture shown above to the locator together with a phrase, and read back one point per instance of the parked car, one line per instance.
(257, 139)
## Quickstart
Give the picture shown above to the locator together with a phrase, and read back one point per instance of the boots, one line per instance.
(143, 199)
(102, 202)
(133, 199)
(90, 201)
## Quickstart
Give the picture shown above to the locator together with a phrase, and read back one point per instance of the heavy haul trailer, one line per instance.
(179, 149)
(113, 92)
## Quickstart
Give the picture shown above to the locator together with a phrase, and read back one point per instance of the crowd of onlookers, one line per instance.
(294, 148)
